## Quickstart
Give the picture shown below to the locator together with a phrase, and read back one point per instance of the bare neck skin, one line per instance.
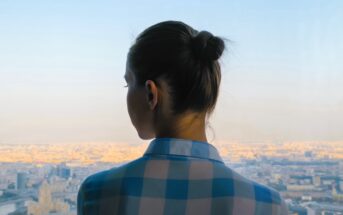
(188, 126)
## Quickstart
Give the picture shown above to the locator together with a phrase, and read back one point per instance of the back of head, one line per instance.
(186, 58)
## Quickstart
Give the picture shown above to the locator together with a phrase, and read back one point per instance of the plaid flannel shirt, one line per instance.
(176, 177)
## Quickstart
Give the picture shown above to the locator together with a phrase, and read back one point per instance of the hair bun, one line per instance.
(206, 46)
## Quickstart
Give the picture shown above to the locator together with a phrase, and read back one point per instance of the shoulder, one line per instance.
(102, 179)
(264, 198)
(105, 183)
(89, 185)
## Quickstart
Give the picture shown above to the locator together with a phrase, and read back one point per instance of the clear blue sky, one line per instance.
(62, 63)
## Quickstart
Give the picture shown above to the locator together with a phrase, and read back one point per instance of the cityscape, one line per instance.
(45, 178)
(64, 103)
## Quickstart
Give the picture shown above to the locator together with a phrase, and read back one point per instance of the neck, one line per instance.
(188, 126)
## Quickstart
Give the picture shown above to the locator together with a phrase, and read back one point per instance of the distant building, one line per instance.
(308, 154)
(301, 179)
(340, 166)
(330, 180)
(62, 171)
(293, 187)
(21, 180)
(314, 208)
(317, 180)
(47, 205)
(297, 210)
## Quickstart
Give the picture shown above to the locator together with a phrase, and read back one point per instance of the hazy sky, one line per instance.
(62, 65)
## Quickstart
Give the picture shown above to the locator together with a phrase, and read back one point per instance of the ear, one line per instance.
(151, 93)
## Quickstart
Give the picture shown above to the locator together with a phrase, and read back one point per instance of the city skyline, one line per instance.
(62, 63)
(308, 176)
(112, 152)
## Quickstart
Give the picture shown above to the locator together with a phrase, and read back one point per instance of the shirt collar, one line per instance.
(183, 147)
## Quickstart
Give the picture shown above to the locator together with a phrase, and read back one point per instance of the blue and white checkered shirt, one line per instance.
(176, 177)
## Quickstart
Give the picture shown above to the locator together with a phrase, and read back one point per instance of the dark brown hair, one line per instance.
(186, 58)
